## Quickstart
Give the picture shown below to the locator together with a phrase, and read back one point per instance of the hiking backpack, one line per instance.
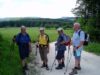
(67, 41)
(86, 38)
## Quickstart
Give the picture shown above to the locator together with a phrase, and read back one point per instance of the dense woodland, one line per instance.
(37, 22)
(89, 13)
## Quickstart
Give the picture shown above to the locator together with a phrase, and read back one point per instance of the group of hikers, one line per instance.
(24, 44)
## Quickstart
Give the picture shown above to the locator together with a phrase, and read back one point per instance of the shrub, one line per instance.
(1, 37)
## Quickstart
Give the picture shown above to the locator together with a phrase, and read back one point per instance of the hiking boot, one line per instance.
(77, 68)
(74, 71)
(59, 67)
(47, 68)
(43, 65)
(26, 67)
(24, 73)
(63, 64)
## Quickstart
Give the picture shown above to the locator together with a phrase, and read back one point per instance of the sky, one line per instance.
(36, 8)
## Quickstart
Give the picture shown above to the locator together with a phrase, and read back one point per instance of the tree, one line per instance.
(89, 11)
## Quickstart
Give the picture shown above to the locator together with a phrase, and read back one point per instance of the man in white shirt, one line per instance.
(77, 42)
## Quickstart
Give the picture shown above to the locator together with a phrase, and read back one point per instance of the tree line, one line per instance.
(37, 22)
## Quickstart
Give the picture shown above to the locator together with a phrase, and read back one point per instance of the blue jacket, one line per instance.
(59, 40)
(23, 41)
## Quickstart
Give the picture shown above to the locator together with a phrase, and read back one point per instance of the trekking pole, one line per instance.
(68, 61)
(54, 59)
(12, 44)
(55, 55)
(53, 64)
(36, 46)
(12, 47)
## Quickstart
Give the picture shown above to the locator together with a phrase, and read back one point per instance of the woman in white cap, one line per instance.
(43, 43)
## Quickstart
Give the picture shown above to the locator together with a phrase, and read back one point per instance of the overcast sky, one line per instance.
(36, 8)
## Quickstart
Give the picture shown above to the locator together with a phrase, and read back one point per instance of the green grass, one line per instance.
(93, 47)
(9, 58)
(8, 33)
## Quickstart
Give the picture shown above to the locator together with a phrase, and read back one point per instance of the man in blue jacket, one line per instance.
(24, 44)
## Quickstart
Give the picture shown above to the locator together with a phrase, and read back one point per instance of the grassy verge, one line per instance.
(9, 60)
(93, 47)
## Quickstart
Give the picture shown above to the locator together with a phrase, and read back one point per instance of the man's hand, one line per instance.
(37, 45)
(63, 42)
(74, 49)
(56, 44)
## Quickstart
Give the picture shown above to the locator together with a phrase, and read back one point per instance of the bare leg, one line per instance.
(76, 62)
(23, 62)
(63, 64)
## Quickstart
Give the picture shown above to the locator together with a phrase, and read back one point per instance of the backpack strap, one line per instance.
(48, 40)
(18, 38)
(28, 36)
(46, 37)
(79, 33)
(84, 34)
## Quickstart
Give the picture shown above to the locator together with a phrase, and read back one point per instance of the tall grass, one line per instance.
(9, 59)
(8, 33)
(1, 39)
(93, 47)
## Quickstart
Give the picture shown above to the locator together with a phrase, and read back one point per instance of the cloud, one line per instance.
(37, 8)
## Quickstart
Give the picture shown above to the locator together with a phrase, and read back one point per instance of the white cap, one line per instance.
(59, 29)
(23, 27)
(42, 28)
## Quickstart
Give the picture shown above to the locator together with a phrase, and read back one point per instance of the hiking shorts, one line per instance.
(23, 53)
(77, 54)
(43, 53)
(60, 54)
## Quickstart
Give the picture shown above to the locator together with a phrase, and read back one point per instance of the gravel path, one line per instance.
(90, 64)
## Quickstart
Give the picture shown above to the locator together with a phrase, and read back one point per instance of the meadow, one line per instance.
(8, 33)
(9, 56)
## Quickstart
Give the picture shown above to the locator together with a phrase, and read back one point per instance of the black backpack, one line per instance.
(86, 38)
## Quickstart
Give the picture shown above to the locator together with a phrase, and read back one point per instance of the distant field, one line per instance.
(8, 33)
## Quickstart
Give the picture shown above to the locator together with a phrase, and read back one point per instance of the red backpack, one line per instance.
(68, 40)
